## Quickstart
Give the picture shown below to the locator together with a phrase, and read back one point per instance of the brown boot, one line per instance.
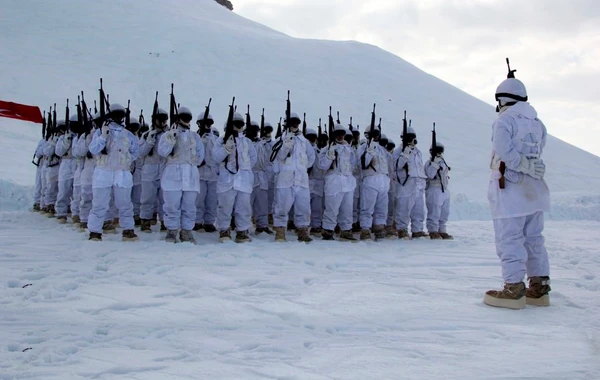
(316, 231)
(51, 211)
(260, 230)
(446, 236)
(94, 236)
(242, 237)
(116, 221)
(186, 236)
(129, 235)
(390, 232)
(75, 220)
(270, 218)
(36, 207)
(280, 234)
(379, 232)
(198, 227)
(403, 234)
(82, 226)
(365, 234)
(171, 236)
(348, 236)
(435, 236)
(303, 235)
(327, 235)
(511, 297)
(61, 219)
(146, 226)
(225, 235)
(419, 234)
(109, 228)
(537, 293)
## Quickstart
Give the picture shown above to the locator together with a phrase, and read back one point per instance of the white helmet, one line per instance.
(201, 117)
(134, 120)
(116, 107)
(511, 90)
(238, 116)
(184, 111)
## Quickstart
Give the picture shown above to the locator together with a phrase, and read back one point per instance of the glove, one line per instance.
(372, 149)
(170, 137)
(105, 129)
(230, 144)
(533, 167)
(289, 141)
(408, 150)
(331, 152)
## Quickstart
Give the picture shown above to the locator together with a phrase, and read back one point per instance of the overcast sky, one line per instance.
(554, 45)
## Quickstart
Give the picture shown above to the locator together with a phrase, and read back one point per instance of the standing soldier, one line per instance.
(180, 182)
(374, 162)
(116, 149)
(518, 197)
(81, 150)
(437, 194)
(292, 158)
(338, 160)
(206, 202)
(316, 180)
(410, 201)
(152, 171)
(236, 156)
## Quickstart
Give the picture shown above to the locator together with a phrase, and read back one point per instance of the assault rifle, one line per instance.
(371, 130)
(229, 125)
(288, 112)
(331, 128)
(173, 112)
(433, 143)
(262, 124)
(304, 125)
(202, 128)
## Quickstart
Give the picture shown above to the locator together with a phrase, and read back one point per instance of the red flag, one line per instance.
(21, 112)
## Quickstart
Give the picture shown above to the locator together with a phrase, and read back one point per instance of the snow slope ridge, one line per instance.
(52, 50)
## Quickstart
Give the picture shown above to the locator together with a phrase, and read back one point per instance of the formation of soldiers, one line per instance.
(120, 171)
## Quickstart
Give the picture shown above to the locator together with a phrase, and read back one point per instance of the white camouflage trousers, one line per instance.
(520, 247)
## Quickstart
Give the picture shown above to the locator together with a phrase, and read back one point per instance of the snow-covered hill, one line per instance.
(52, 50)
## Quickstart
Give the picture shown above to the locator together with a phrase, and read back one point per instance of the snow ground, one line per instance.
(390, 310)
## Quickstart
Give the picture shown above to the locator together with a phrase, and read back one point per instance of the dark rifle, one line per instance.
(278, 133)
(288, 111)
(154, 121)
(229, 125)
(319, 130)
(249, 130)
(338, 117)
(86, 119)
(202, 129)
(262, 124)
(350, 125)
(95, 107)
(44, 126)
(433, 143)
(404, 132)
(127, 114)
(173, 112)
(79, 117)
(372, 129)
(229, 132)
(54, 118)
(304, 125)
(67, 116)
(102, 101)
(511, 73)
(331, 128)
(141, 119)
